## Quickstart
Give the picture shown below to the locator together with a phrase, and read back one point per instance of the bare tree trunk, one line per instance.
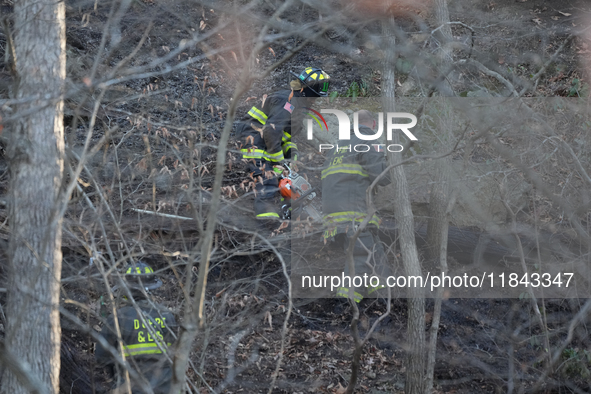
(438, 200)
(444, 32)
(36, 146)
(438, 225)
(439, 207)
(445, 54)
(415, 369)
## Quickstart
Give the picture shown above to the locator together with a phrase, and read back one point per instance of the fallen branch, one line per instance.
(165, 215)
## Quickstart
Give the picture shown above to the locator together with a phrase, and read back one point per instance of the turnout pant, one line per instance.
(267, 192)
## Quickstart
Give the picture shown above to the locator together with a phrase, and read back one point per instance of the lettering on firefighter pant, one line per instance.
(378, 264)
(265, 206)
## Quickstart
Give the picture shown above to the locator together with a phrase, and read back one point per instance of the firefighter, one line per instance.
(143, 346)
(266, 136)
(346, 176)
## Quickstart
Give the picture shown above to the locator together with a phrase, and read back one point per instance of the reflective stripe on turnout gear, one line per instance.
(344, 169)
(348, 216)
(268, 215)
(258, 115)
(289, 145)
(344, 293)
(251, 153)
(141, 348)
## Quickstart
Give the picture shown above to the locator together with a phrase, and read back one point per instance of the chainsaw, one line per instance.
(298, 194)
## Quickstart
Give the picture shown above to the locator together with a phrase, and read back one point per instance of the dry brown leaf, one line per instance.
(269, 318)
(537, 21)
(165, 170)
(340, 389)
(234, 56)
(210, 106)
(219, 293)
(142, 165)
(564, 13)
(184, 174)
(272, 51)
(202, 25)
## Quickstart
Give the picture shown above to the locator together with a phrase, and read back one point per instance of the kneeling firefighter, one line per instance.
(266, 136)
(346, 176)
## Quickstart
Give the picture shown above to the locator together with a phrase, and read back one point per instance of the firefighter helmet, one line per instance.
(141, 275)
(315, 82)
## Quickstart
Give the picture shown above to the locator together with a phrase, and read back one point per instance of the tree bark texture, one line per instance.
(415, 367)
(444, 33)
(36, 146)
(438, 201)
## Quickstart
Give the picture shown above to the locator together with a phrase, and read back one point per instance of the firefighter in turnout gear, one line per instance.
(266, 137)
(146, 334)
(346, 176)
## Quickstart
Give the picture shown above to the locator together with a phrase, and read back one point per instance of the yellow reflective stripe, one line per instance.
(339, 217)
(344, 292)
(344, 169)
(258, 115)
(354, 172)
(250, 153)
(138, 270)
(142, 348)
(267, 215)
(274, 156)
(289, 145)
(331, 232)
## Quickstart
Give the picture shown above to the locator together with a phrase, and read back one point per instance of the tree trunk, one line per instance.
(415, 368)
(438, 224)
(444, 33)
(445, 55)
(438, 201)
(36, 145)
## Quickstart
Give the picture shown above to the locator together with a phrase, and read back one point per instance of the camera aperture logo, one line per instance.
(345, 129)
(317, 121)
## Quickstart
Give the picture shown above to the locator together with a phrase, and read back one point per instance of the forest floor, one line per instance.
(247, 294)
